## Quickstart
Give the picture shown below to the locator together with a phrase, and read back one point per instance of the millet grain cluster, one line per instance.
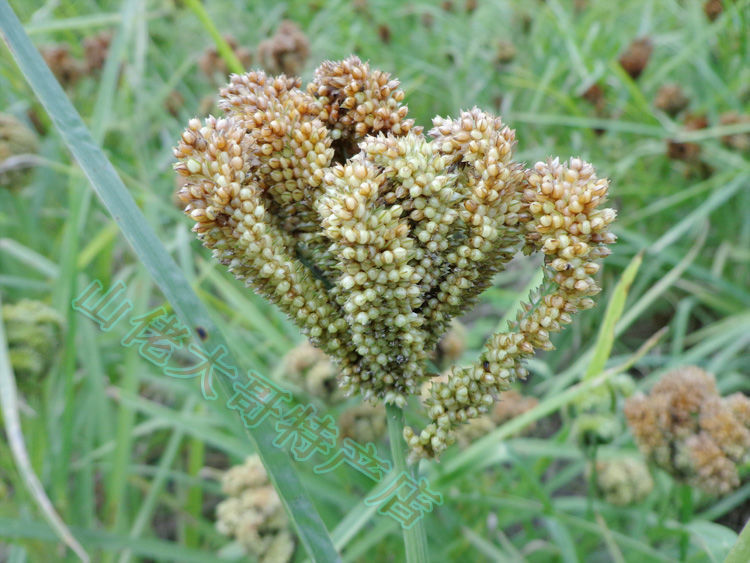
(253, 514)
(687, 429)
(372, 236)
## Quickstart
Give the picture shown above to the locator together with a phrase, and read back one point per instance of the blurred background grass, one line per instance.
(106, 431)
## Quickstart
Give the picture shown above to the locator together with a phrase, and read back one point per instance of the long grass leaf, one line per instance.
(716, 199)
(165, 272)
(740, 553)
(615, 307)
(146, 548)
(9, 403)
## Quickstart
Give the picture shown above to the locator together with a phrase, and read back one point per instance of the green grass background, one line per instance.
(119, 447)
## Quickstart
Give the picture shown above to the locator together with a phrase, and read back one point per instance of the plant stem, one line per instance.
(741, 550)
(686, 514)
(415, 537)
(222, 47)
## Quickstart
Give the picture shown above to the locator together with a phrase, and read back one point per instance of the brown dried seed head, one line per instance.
(286, 52)
(737, 141)
(636, 57)
(671, 99)
(686, 428)
(66, 68)
(713, 9)
(96, 50)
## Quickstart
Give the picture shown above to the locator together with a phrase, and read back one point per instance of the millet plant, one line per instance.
(372, 236)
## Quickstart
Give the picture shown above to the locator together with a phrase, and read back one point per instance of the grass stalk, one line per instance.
(415, 537)
(194, 500)
(685, 495)
(222, 47)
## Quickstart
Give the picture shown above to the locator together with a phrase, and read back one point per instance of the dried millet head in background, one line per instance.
(384, 32)
(312, 370)
(66, 68)
(623, 481)
(17, 144)
(687, 429)
(253, 513)
(671, 99)
(505, 52)
(594, 95)
(511, 404)
(34, 332)
(713, 9)
(636, 57)
(286, 52)
(363, 423)
(688, 151)
(737, 141)
(173, 103)
(452, 344)
(96, 50)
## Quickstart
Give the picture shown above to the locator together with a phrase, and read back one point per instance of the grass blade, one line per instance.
(615, 307)
(9, 403)
(562, 538)
(147, 548)
(741, 550)
(486, 547)
(31, 258)
(165, 272)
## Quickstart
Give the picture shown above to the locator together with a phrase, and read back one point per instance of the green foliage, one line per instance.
(112, 440)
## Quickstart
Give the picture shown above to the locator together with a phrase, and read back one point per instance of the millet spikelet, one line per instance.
(372, 237)
(253, 513)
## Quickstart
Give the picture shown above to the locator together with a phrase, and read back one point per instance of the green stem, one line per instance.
(222, 47)
(590, 453)
(194, 501)
(741, 550)
(415, 537)
(686, 513)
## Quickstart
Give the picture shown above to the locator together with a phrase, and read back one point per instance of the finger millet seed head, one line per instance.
(372, 236)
